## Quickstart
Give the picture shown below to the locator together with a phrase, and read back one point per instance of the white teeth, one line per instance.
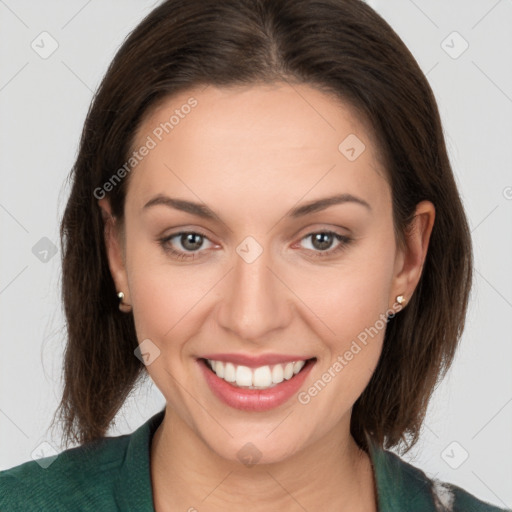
(288, 371)
(262, 377)
(243, 376)
(229, 372)
(297, 366)
(218, 368)
(277, 374)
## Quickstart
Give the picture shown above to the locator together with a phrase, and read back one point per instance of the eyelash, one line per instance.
(179, 255)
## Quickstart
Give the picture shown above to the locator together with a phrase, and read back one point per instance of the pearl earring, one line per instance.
(125, 308)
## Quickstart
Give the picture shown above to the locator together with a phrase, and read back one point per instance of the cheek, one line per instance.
(352, 325)
(166, 299)
(168, 308)
(348, 305)
(348, 297)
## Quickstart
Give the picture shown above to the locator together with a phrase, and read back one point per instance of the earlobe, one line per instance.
(414, 252)
(113, 248)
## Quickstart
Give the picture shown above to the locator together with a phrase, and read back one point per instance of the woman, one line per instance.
(263, 216)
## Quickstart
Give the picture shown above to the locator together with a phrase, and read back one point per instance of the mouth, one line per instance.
(257, 378)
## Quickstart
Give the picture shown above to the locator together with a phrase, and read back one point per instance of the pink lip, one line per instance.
(255, 361)
(254, 399)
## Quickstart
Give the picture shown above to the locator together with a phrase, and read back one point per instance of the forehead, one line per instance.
(259, 140)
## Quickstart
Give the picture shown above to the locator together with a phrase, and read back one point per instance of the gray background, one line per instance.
(43, 102)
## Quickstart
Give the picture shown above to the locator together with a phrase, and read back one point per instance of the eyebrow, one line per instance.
(201, 210)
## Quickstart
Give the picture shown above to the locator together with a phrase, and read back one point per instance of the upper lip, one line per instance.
(254, 361)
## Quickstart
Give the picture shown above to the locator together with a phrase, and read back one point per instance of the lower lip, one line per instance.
(254, 399)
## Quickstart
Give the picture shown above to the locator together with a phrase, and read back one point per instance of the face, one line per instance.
(260, 281)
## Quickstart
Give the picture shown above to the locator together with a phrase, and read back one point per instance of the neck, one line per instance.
(331, 473)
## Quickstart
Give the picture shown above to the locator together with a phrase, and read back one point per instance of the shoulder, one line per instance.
(85, 474)
(404, 485)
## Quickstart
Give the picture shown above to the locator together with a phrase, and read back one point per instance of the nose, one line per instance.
(255, 300)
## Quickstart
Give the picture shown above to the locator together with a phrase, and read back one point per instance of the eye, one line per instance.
(190, 242)
(322, 241)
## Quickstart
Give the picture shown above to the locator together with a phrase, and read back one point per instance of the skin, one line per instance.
(251, 154)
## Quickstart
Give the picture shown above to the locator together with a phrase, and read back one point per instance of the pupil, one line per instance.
(322, 240)
(189, 237)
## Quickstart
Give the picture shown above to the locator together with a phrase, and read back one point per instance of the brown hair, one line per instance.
(341, 46)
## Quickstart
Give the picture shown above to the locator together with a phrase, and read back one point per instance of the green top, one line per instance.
(113, 473)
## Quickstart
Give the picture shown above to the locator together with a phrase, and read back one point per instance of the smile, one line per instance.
(263, 377)
(258, 388)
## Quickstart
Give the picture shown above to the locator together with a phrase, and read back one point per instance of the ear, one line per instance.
(411, 256)
(115, 251)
